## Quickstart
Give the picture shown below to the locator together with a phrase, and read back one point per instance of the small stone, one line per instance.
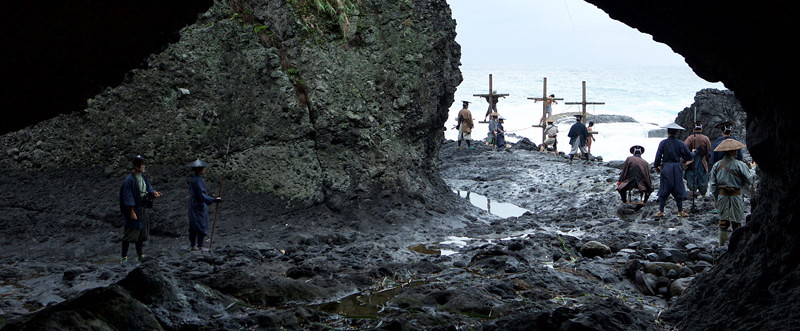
(679, 286)
(594, 248)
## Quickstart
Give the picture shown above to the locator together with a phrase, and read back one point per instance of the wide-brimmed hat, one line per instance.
(635, 147)
(465, 103)
(550, 119)
(673, 125)
(579, 116)
(729, 145)
(198, 164)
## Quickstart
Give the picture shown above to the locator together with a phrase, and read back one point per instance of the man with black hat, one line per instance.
(198, 205)
(726, 129)
(135, 196)
(728, 177)
(635, 175)
(464, 125)
(577, 138)
(668, 156)
(697, 168)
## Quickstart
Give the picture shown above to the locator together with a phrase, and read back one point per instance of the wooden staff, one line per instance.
(221, 190)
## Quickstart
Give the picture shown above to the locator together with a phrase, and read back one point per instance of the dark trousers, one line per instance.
(196, 237)
(139, 245)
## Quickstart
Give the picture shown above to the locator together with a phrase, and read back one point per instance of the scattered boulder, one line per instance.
(595, 248)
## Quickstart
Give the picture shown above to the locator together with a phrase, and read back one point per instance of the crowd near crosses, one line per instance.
(545, 101)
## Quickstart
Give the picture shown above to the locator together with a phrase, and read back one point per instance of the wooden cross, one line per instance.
(544, 98)
(491, 95)
(584, 103)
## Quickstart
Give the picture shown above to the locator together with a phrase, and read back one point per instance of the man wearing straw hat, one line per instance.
(552, 133)
(727, 178)
(198, 205)
(668, 156)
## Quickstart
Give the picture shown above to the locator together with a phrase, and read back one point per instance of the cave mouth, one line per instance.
(57, 55)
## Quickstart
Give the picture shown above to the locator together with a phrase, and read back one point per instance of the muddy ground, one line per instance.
(566, 253)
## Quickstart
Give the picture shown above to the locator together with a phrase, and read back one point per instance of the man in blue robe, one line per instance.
(577, 138)
(199, 200)
(668, 163)
(135, 196)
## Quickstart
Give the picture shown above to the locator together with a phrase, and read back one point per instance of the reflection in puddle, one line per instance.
(431, 250)
(502, 209)
(365, 305)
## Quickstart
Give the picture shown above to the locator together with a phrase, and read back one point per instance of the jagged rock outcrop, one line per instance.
(712, 107)
(294, 102)
(742, 45)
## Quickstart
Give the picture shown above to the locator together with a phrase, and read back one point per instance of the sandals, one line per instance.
(659, 214)
(682, 214)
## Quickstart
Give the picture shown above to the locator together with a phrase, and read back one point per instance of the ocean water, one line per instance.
(652, 95)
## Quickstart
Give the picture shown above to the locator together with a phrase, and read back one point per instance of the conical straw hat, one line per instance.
(729, 145)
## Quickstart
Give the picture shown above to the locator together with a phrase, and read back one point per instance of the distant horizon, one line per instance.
(552, 32)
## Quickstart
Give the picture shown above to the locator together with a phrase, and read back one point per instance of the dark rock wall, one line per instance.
(310, 110)
(712, 107)
(58, 54)
(744, 45)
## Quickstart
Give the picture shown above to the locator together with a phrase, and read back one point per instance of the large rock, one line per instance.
(712, 107)
(764, 259)
(287, 104)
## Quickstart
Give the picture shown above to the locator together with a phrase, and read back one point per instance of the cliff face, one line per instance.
(712, 107)
(742, 45)
(294, 102)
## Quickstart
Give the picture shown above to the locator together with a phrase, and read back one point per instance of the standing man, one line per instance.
(668, 156)
(135, 197)
(198, 205)
(577, 138)
(491, 136)
(727, 129)
(728, 177)
(501, 133)
(697, 168)
(464, 125)
(635, 175)
(552, 133)
(590, 139)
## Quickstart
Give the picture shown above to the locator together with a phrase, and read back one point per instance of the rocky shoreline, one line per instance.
(575, 256)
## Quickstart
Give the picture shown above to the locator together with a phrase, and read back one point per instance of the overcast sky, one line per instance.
(553, 32)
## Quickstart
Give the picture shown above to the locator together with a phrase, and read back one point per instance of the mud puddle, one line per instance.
(502, 209)
(365, 305)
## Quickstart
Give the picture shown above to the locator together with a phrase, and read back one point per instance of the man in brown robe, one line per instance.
(464, 125)
(697, 169)
(635, 175)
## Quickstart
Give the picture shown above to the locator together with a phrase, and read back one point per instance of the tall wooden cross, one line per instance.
(490, 96)
(584, 103)
(544, 98)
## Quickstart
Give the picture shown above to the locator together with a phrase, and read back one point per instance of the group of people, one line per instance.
(718, 166)
(465, 124)
(136, 197)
